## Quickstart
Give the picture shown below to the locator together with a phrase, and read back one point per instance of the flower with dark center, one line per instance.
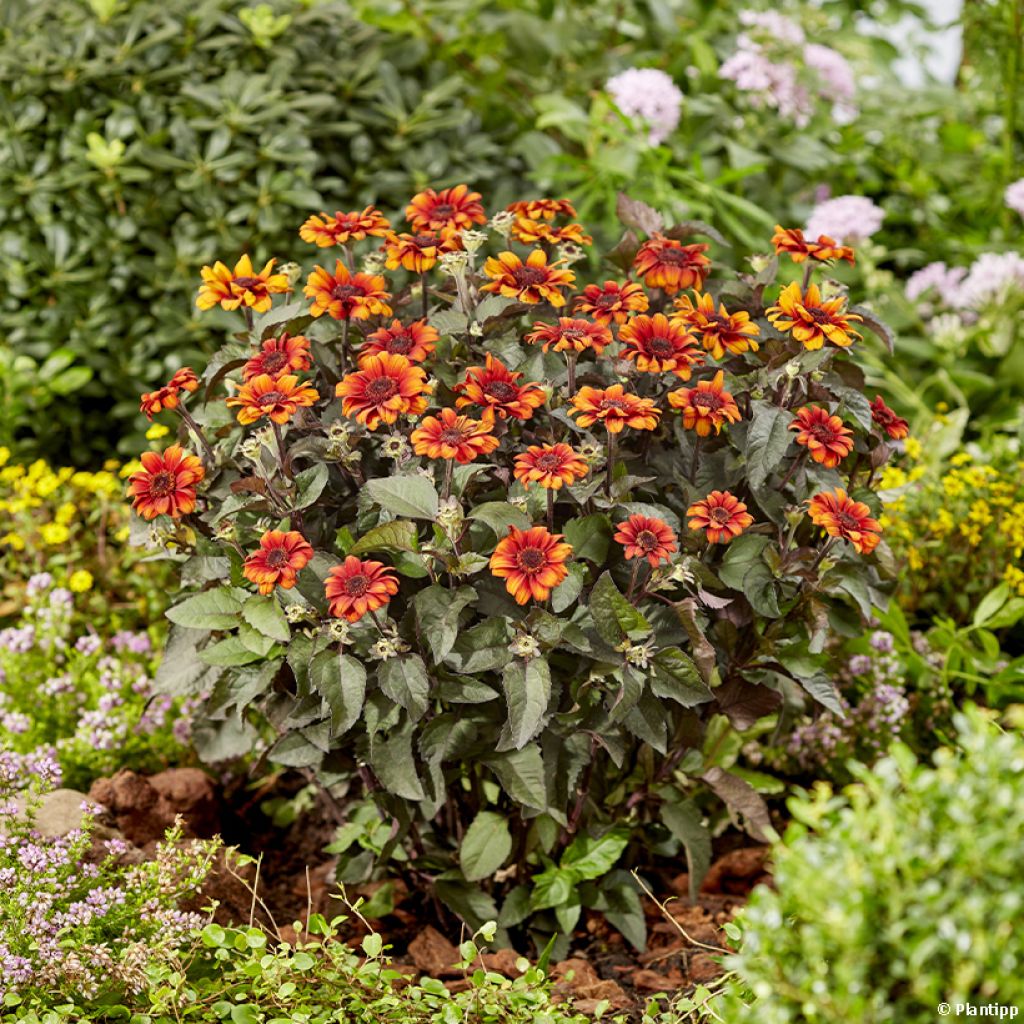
(497, 390)
(647, 537)
(823, 435)
(550, 465)
(531, 562)
(346, 296)
(721, 515)
(240, 287)
(706, 406)
(885, 418)
(451, 436)
(326, 231)
(532, 282)
(719, 332)
(278, 356)
(383, 388)
(418, 253)
(356, 587)
(660, 346)
(840, 516)
(813, 321)
(277, 398)
(671, 266)
(166, 483)
(281, 555)
(614, 408)
(446, 212)
(571, 335)
(612, 302)
(416, 341)
(542, 209)
(825, 249)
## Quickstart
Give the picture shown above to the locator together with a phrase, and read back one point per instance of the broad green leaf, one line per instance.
(413, 496)
(588, 858)
(527, 687)
(405, 681)
(743, 553)
(485, 846)
(295, 751)
(212, 609)
(437, 613)
(499, 516)
(569, 589)
(647, 722)
(768, 437)
(685, 822)
(229, 652)
(265, 615)
(552, 888)
(589, 537)
(677, 678)
(521, 774)
(398, 535)
(341, 681)
(310, 484)
(393, 763)
(614, 617)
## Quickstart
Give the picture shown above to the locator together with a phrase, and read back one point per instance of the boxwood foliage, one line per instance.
(518, 758)
(138, 140)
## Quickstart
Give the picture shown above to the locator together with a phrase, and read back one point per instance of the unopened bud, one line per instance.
(524, 646)
(473, 240)
(339, 630)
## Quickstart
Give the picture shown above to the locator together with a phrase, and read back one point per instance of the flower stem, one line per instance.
(286, 463)
(249, 321)
(449, 469)
(808, 271)
(632, 579)
(797, 462)
(570, 362)
(822, 553)
(197, 430)
(551, 509)
(611, 465)
(426, 295)
(695, 458)
(344, 346)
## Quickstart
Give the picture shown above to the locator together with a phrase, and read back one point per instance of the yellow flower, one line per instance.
(13, 541)
(65, 514)
(156, 431)
(54, 534)
(912, 446)
(1014, 577)
(80, 581)
(5, 455)
(914, 560)
(129, 468)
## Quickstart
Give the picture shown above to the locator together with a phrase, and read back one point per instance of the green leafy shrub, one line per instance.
(513, 748)
(897, 895)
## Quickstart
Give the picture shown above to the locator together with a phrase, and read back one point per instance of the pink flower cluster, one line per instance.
(650, 97)
(847, 219)
(990, 280)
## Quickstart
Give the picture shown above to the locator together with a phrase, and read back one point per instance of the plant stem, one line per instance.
(286, 463)
(426, 295)
(344, 345)
(449, 469)
(808, 271)
(695, 458)
(791, 472)
(570, 362)
(611, 465)
(822, 553)
(249, 321)
(551, 509)
(197, 430)
(632, 579)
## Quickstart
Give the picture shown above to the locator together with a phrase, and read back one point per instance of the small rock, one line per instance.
(503, 962)
(433, 954)
(60, 812)
(737, 872)
(192, 794)
(577, 978)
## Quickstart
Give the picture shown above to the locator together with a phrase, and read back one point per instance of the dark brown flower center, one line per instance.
(270, 398)
(574, 333)
(526, 276)
(707, 400)
(273, 362)
(531, 559)
(502, 390)
(452, 436)
(443, 210)
(247, 283)
(549, 461)
(823, 432)
(819, 316)
(723, 323)
(661, 346)
(356, 586)
(720, 516)
(345, 291)
(380, 389)
(612, 403)
(848, 522)
(277, 558)
(400, 344)
(675, 257)
(647, 540)
(423, 241)
(606, 300)
(162, 483)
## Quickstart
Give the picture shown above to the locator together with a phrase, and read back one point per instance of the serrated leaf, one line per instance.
(589, 537)
(229, 653)
(499, 516)
(742, 799)
(341, 680)
(877, 327)
(768, 437)
(684, 821)
(676, 677)
(569, 589)
(527, 687)
(588, 858)
(743, 553)
(266, 616)
(212, 609)
(393, 763)
(614, 617)
(310, 484)
(521, 774)
(485, 846)
(638, 215)
(398, 535)
(686, 228)
(405, 681)
(437, 614)
(413, 496)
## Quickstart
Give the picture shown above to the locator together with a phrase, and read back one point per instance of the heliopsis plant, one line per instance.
(455, 538)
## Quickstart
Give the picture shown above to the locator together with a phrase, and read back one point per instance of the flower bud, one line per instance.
(454, 263)
(473, 240)
(373, 263)
(388, 647)
(524, 646)
(292, 271)
(338, 629)
(502, 222)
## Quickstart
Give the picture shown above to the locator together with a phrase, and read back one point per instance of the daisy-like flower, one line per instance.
(277, 562)
(496, 389)
(612, 301)
(240, 287)
(345, 296)
(792, 242)
(416, 341)
(895, 426)
(356, 587)
(417, 253)
(530, 232)
(823, 435)
(184, 379)
(671, 266)
(660, 346)
(705, 406)
(287, 354)
(719, 332)
(647, 537)
(840, 516)
(382, 389)
(167, 397)
(570, 335)
(447, 211)
(550, 465)
(614, 408)
(276, 397)
(530, 282)
(542, 209)
(326, 231)
(721, 515)
(451, 436)
(813, 321)
(166, 484)
(531, 562)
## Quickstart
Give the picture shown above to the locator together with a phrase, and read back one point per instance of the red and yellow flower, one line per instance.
(530, 232)
(531, 282)
(166, 484)
(792, 242)
(647, 537)
(276, 397)
(416, 341)
(705, 406)
(570, 335)
(382, 389)
(550, 465)
(613, 407)
(346, 296)
(281, 555)
(325, 231)
(417, 253)
(356, 587)
(184, 379)
(719, 332)
(448, 211)
(671, 266)
(542, 209)
(721, 515)
(531, 562)
(813, 321)
(496, 389)
(287, 354)
(167, 397)
(823, 435)
(612, 301)
(895, 426)
(451, 436)
(240, 287)
(840, 516)
(660, 346)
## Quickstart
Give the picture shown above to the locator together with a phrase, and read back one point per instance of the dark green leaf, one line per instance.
(527, 687)
(685, 822)
(768, 437)
(485, 846)
(405, 681)
(413, 496)
(614, 617)
(264, 614)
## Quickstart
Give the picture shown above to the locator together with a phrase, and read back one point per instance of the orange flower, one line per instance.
(416, 342)
(705, 406)
(496, 389)
(550, 465)
(531, 562)
(276, 397)
(286, 354)
(382, 389)
(184, 379)
(570, 335)
(531, 282)
(792, 241)
(166, 397)
(240, 287)
(719, 332)
(346, 296)
(166, 483)
(660, 346)
(896, 427)
(614, 408)
(612, 301)
(823, 434)
(280, 557)
(325, 231)
(840, 516)
(451, 436)
(671, 266)
(542, 209)
(530, 232)
(812, 321)
(721, 514)
(647, 537)
(417, 253)
(448, 211)
(355, 588)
